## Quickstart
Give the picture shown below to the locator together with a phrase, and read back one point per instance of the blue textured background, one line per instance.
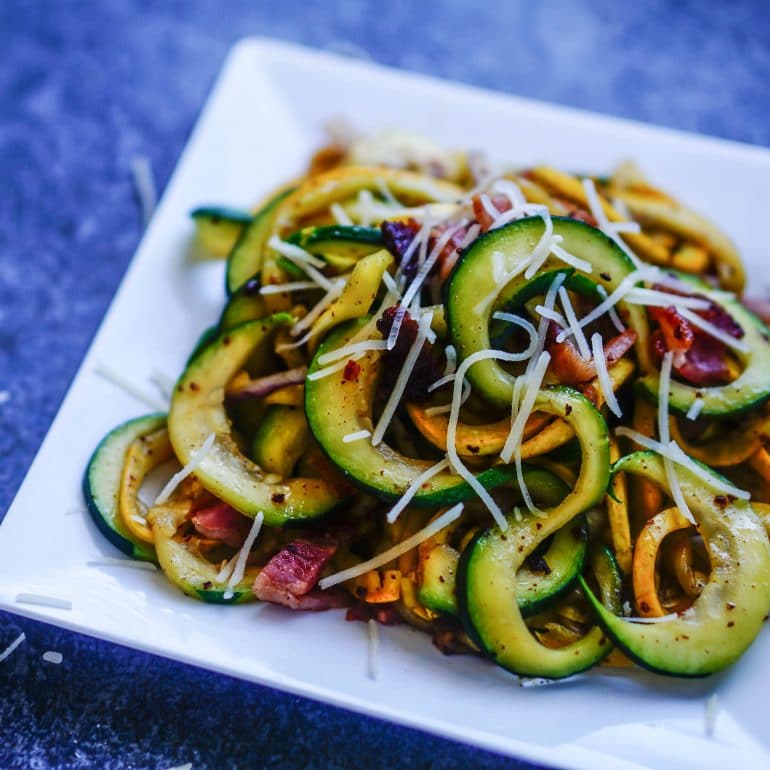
(86, 86)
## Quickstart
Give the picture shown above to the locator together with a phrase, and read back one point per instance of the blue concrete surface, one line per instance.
(84, 87)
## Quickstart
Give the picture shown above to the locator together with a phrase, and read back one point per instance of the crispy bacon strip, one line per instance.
(698, 358)
(483, 217)
(571, 368)
(222, 522)
(291, 575)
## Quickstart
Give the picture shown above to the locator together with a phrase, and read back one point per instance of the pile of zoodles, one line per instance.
(524, 411)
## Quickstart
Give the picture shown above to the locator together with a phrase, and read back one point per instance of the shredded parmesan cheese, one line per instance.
(674, 452)
(714, 331)
(488, 206)
(542, 250)
(196, 458)
(625, 286)
(610, 229)
(295, 254)
(350, 350)
(391, 284)
(401, 382)
(414, 488)
(9, 650)
(280, 288)
(602, 372)
(481, 306)
(357, 435)
(695, 409)
(665, 436)
(613, 314)
(451, 360)
(240, 560)
(444, 408)
(340, 215)
(427, 265)
(304, 323)
(144, 183)
(553, 315)
(511, 191)
(44, 601)
(51, 656)
(163, 383)
(470, 237)
(319, 374)
(532, 383)
(373, 648)
(710, 715)
(572, 321)
(380, 560)
(653, 297)
(569, 259)
(451, 435)
(117, 379)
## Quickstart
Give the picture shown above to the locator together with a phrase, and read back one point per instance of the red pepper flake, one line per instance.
(351, 372)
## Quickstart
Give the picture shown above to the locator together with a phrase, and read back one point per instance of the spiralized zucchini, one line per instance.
(406, 343)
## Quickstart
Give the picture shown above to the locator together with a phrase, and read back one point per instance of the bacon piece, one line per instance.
(451, 251)
(705, 363)
(397, 237)
(698, 358)
(222, 522)
(676, 332)
(571, 368)
(573, 211)
(426, 369)
(483, 217)
(290, 576)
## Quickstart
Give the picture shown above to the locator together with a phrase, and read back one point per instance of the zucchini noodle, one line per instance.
(394, 403)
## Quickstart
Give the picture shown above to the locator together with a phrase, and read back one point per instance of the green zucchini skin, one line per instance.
(221, 213)
(565, 558)
(749, 390)
(207, 336)
(281, 439)
(487, 594)
(473, 278)
(346, 242)
(727, 616)
(246, 304)
(187, 570)
(487, 589)
(198, 410)
(245, 260)
(219, 227)
(101, 482)
(335, 407)
(436, 590)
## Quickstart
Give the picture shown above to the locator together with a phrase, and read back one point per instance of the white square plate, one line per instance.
(263, 119)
